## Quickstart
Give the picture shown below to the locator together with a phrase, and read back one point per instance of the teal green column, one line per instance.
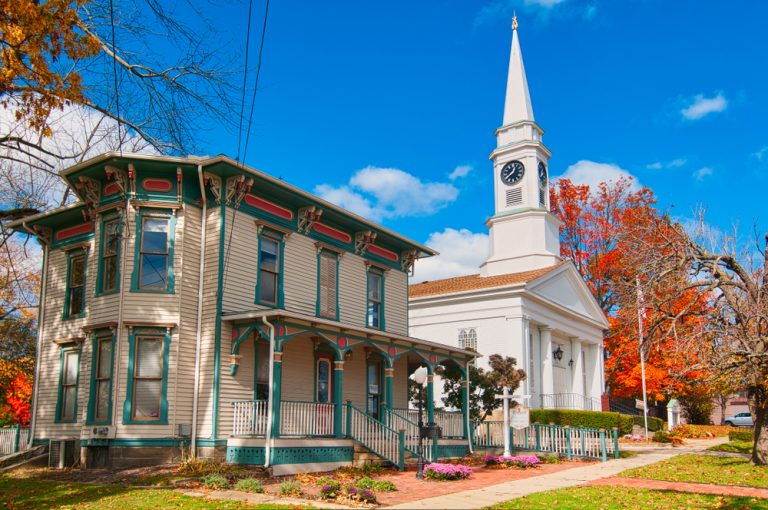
(465, 406)
(338, 397)
(389, 376)
(277, 376)
(430, 397)
(17, 437)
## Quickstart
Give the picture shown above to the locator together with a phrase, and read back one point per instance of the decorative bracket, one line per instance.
(178, 183)
(363, 240)
(43, 234)
(91, 190)
(132, 178)
(407, 260)
(308, 216)
(119, 176)
(237, 187)
(214, 184)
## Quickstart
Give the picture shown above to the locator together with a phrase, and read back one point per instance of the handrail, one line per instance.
(411, 435)
(374, 435)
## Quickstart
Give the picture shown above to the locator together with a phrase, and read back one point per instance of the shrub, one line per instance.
(376, 485)
(741, 435)
(215, 481)
(437, 471)
(654, 424)
(662, 437)
(586, 419)
(330, 490)
(290, 488)
(249, 485)
(550, 459)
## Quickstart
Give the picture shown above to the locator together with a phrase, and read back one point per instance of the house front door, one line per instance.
(373, 389)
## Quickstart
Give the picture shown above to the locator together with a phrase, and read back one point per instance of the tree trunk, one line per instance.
(758, 405)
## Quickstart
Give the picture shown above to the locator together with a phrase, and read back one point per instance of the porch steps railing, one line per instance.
(567, 441)
(382, 440)
(411, 432)
(575, 401)
(13, 439)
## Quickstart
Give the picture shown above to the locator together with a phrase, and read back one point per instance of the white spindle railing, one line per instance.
(250, 418)
(451, 422)
(374, 435)
(396, 421)
(575, 401)
(10, 443)
(306, 419)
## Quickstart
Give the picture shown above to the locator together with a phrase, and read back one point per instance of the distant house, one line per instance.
(195, 303)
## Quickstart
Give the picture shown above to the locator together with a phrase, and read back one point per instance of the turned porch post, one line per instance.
(338, 398)
(277, 374)
(389, 375)
(430, 395)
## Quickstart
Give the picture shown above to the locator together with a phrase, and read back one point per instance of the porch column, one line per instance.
(430, 396)
(389, 375)
(465, 405)
(277, 375)
(577, 369)
(338, 398)
(547, 376)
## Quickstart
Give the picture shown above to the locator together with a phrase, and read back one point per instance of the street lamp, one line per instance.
(420, 377)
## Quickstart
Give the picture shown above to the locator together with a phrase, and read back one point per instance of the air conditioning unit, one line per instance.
(100, 432)
(63, 453)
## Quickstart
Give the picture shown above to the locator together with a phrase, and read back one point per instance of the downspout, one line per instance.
(123, 263)
(268, 436)
(40, 318)
(199, 333)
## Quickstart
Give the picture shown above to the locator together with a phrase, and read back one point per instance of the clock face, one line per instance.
(542, 173)
(512, 173)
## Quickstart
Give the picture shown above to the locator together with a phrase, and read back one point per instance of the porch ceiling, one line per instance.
(348, 329)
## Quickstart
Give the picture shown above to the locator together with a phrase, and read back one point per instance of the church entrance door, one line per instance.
(560, 383)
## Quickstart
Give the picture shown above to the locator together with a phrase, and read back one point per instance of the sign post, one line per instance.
(506, 397)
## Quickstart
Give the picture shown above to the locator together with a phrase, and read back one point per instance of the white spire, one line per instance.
(517, 105)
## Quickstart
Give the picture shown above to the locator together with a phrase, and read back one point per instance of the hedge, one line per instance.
(654, 424)
(586, 419)
(741, 435)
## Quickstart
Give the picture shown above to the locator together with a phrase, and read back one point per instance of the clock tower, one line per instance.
(524, 235)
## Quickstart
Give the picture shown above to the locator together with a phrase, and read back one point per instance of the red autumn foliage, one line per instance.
(18, 398)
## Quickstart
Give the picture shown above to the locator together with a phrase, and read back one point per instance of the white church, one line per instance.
(525, 301)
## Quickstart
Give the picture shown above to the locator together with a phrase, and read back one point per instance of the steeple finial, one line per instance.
(514, 21)
(517, 105)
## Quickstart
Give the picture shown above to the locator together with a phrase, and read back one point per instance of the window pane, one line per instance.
(154, 271)
(149, 361)
(374, 286)
(70, 368)
(109, 281)
(262, 362)
(110, 238)
(102, 401)
(76, 301)
(76, 270)
(146, 399)
(268, 254)
(373, 315)
(268, 287)
(105, 359)
(323, 381)
(69, 395)
(155, 235)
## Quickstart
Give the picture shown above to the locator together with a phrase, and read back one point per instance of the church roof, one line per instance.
(475, 281)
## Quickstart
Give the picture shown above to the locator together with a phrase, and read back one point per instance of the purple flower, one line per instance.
(438, 471)
(352, 490)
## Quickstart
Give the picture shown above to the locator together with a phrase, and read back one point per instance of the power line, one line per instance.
(258, 72)
(245, 79)
(114, 73)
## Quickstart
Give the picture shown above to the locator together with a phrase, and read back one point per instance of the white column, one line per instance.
(525, 363)
(547, 376)
(599, 376)
(577, 369)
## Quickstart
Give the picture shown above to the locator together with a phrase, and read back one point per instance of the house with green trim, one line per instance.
(196, 305)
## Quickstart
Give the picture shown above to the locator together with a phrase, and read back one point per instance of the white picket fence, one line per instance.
(13, 439)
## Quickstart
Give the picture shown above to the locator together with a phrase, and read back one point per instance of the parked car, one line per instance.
(739, 420)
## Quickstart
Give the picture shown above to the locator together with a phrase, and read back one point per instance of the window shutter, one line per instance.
(328, 284)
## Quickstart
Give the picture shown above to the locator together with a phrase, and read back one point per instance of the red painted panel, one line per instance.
(111, 189)
(321, 228)
(264, 205)
(161, 185)
(69, 232)
(382, 252)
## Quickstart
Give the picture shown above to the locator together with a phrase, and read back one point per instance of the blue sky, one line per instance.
(390, 107)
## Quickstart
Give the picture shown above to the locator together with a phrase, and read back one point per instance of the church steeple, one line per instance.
(517, 105)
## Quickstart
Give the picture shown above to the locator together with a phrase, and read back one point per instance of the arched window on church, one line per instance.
(468, 339)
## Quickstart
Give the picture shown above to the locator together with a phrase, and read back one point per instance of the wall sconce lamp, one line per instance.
(348, 355)
(570, 363)
(558, 354)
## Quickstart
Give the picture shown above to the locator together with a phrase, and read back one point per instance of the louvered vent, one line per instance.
(514, 196)
(542, 197)
(63, 453)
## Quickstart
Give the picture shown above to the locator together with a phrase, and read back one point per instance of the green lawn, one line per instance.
(626, 498)
(733, 447)
(704, 469)
(32, 494)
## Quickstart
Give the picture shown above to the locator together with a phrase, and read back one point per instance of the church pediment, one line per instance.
(565, 288)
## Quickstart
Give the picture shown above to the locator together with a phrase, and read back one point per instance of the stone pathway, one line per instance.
(487, 496)
(700, 488)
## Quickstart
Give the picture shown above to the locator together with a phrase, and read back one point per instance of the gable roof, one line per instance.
(475, 281)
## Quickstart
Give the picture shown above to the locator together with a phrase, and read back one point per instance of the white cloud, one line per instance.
(384, 193)
(701, 106)
(504, 9)
(655, 166)
(460, 171)
(762, 154)
(702, 173)
(547, 4)
(461, 253)
(592, 174)
(675, 163)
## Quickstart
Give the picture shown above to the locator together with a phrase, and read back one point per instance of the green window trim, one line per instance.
(368, 319)
(72, 351)
(279, 237)
(318, 302)
(145, 213)
(72, 256)
(128, 405)
(98, 337)
(100, 269)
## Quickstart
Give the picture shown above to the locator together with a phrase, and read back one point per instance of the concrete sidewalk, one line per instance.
(480, 498)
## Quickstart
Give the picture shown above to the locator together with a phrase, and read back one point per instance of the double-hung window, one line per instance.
(147, 375)
(70, 370)
(110, 239)
(101, 380)
(375, 299)
(154, 253)
(327, 285)
(75, 298)
(269, 270)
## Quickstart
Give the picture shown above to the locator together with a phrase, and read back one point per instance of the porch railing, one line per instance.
(396, 421)
(250, 418)
(451, 422)
(306, 419)
(570, 401)
(562, 440)
(13, 439)
(374, 435)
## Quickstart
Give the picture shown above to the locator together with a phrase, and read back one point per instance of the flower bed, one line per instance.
(508, 461)
(437, 471)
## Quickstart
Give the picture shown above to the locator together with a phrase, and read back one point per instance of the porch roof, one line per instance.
(348, 329)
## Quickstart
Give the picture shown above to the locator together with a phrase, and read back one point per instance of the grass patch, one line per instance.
(733, 447)
(625, 454)
(625, 498)
(249, 485)
(703, 469)
(32, 494)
